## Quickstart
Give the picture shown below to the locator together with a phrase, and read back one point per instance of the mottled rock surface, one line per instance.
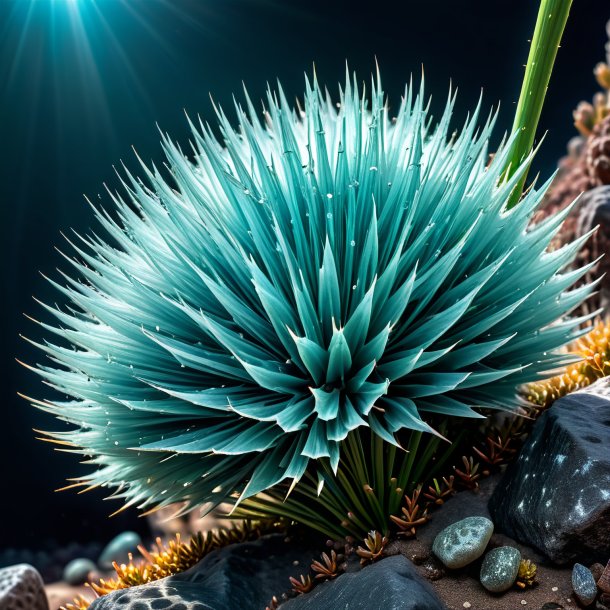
(391, 584)
(21, 588)
(463, 542)
(500, 568)
(584, 584)
(556, 495)
(237, 577)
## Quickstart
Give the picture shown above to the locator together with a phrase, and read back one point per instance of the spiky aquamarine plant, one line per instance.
(318, 274)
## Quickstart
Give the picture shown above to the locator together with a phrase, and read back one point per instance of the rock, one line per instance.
(242, 575)
(594, 211)
(579, 178)
(463, 542)
(500, 568)
(418, 552)
(391, 584)
(77, 571)
(603, 582)
(597, 569)
(118, 549)
(21, 588)
(591, 211)
(432, 569)
(583, 584)
(556, 495)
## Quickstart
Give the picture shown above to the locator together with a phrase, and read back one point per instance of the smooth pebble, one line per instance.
(500, 569)
(118, 548)
(584, 584)
(463, 542)
(77, 571)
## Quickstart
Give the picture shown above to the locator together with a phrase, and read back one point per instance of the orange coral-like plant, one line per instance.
(594, 347)
(170, 558)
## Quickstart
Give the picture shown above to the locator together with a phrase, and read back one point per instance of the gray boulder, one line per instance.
(21, 588)
(391, 584)
(556, 495)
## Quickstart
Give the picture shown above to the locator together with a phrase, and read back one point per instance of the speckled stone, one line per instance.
(21, 588)
(463, 542)
(118, 548)
(556, 495)
(76, 572)
(583, 584)
(500, 569)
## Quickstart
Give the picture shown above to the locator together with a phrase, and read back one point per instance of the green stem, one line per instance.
(310, 493)
(424, 462)
(404, 475)
(382, 478)
(445, 455)
(260, 508)
(551, 21)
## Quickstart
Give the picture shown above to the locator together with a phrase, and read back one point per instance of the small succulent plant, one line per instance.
(526, 577)
(470, 474)
(298, 305)
(301, 585)
(329, 566)
(438, 493)
(374, 545)
(412, 515)
(274, 604)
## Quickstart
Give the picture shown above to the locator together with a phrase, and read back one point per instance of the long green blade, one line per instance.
(550, 24)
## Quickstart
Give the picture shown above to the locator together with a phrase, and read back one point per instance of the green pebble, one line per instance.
(500, 569)
(118, 548)
(77, 571)
(463, 542)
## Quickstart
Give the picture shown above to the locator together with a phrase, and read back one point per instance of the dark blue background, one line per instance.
(83, 81)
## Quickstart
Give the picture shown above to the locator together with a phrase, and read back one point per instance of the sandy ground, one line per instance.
(60, 594)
